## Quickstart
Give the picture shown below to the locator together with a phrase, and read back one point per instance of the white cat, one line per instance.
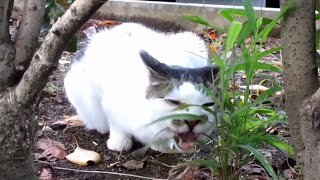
(130, 76)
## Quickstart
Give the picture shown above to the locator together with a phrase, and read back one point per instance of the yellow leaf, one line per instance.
(213, 48)
(84, 157)
(256, 88)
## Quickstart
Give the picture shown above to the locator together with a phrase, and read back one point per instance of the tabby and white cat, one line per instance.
(130, 76)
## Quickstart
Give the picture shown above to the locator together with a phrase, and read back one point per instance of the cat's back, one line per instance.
(126, 40)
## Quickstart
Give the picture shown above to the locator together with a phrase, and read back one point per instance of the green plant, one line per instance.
(241, 131)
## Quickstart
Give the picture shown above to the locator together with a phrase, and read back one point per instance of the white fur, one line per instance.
(107, 86)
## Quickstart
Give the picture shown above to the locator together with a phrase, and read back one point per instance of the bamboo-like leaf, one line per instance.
(199, 20)
(269, 67)
(268, 93)
(181, 116)
(268, 52)
(205, 162)
(245, 32)
(261, 159)
(230, 13)
(233, 34)
(265, 32)
(280, 145)
(251, 15)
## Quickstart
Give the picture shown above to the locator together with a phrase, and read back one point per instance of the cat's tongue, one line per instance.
(187, 140)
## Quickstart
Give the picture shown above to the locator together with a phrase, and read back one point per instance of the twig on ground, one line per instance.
(105, 172)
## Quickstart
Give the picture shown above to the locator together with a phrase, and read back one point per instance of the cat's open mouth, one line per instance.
(185, 141)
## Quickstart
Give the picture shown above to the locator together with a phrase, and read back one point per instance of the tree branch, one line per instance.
(28, 34)
(45, 60)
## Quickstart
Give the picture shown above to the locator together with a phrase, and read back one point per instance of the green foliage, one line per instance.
(241, 131)
(54, 10)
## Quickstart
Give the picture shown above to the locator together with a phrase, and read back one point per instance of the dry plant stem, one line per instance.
(28, 34)
(106, 172)
(17, 128)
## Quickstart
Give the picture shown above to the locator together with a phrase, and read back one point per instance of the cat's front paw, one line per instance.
(119, 142)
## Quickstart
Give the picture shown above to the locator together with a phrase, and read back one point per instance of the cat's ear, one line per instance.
(159, 72)
(210, 74)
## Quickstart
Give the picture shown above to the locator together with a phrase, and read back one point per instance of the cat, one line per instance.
(130, 75)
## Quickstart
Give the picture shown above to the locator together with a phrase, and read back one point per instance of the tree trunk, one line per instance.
(301, 81)
(17, 126)
(28, 34)
(7, 50)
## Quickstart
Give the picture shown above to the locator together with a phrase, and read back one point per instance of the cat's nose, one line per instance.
(192, 123)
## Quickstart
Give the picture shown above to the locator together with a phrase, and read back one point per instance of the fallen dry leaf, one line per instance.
(233, 87)
(70, 121)
(45, 143)
(254, 169)
(133, 164)
(52, 149)
(213, 48)
(277, 63)
(55, 152)
(108, 23)
(256, 88)
(210, 34)
(83, 157)
(45, 174)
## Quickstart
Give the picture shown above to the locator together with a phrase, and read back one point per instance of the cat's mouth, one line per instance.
(185, 141)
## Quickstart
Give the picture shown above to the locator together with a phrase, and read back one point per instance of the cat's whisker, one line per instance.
(162, 130)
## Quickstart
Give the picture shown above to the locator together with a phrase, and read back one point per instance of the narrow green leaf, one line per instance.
(181, 116)
(233, 33)
(265, 32)
(196, 19)
(230, 13)
(264, 111)
(268, 52)
(259, 22)
(280, 145)
(267, 93)
(251, 15)
(209, 163)
(239, 67)
(269, 67)
(199, 20)
(245, 33)
(261, 159)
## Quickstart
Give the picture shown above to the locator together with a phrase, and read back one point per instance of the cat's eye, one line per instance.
(208, 104)
(173, 102)
(177, 122)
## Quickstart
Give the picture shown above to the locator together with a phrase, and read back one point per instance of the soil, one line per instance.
(54, 106)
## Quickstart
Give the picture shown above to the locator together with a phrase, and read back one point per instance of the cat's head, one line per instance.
(173, 87)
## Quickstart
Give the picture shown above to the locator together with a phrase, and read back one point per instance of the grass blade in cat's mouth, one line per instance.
(186, 140)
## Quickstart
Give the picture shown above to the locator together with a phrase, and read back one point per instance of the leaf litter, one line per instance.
(52, 149)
